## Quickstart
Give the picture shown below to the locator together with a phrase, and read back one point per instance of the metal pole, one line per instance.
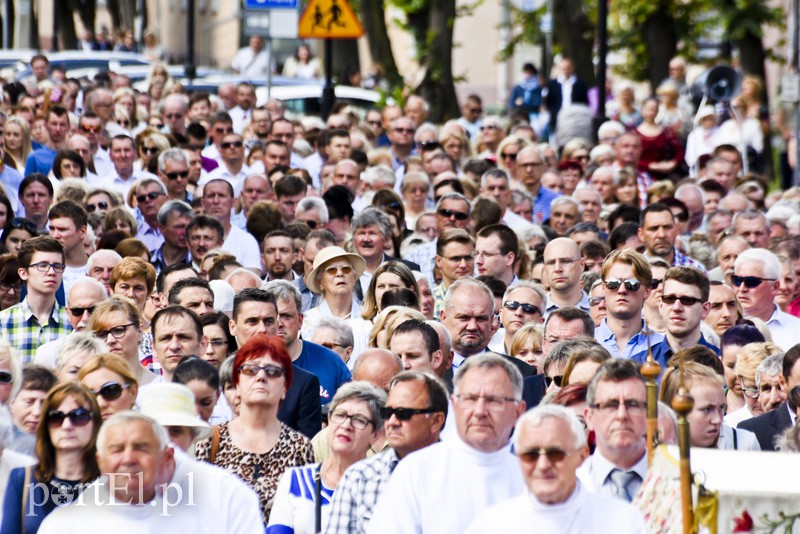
(548, 44)
(602, 51)
(54, 46)
(328, 94)
(269, 57)
(190, 66)
(796, 69)
(6, 24)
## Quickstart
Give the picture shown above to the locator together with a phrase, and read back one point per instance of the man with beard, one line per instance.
(173, 219)
(658, 231)
(279, 256)
(203, 234)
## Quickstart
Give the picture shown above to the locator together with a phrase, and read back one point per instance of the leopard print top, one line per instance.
(260, 471)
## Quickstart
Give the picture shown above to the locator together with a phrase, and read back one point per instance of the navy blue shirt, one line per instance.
(662, 352)
(327, 366)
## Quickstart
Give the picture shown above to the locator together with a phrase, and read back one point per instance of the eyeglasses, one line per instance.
(631, 284)
(684, 300)
(102, 205)
(111, 391)
(45, 266)
(493, 402)
(24, 224)
(403, 414)
(374, 123)
(749, 282)
(391, 206)
(93, 129)
(173, 115)
(331, 345)
(270, 370)
(458, 259)
(491, 127)
(655, 283)
(404, 130)
(150, 149)
(595, 301)
(563, 261)
(333, 270)
(510, 157)
(359, 422)
(532, 165)
(447, 214)
(78, 312)
(234, 144)
(176, 175)
(311, 223)
(6, 377)
(16, 286)
(554, 455)
(123, 122)
(141, 199)
(550, 379)
(612, 406)
(224, 130)
(116, 332)
(78, 417)
(748, 392)
(513, 305)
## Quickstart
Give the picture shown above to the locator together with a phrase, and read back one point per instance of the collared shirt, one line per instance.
(160, 263)
(541, 204)
(682, 260)
(358, 491)
(239, 220)
(150, 236)
(662, 352)
(224, 173)
(424, 255)
(785, 329)
(438, 299)
(21, 329)
(307, 297)
(637, 344)
(595, 474)
(583, 304)
(239, 117)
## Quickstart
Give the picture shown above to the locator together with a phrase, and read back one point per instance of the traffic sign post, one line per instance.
(270, 4)
(270, 19)
(328, 19)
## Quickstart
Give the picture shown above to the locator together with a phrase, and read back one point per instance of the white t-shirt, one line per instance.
(244, 247)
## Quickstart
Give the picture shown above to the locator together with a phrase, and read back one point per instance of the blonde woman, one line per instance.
(17, 137)
(527, 345)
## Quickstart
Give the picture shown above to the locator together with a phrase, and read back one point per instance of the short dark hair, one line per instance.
(178, 286)
(690, 276)
(429, 336)
(290, 185)
(250, 294)
(789, 360)
(437, 391)
(36, 378)
(402, 296)
(614, 370)
(656, 207)
(220, 116)
(622, 233)
(699, 354)
(33, 178)
(339, 201)
(495, 285)
(176, 311)
(194, 368)
(70, 210)
(336, 132)
(161, 279)
(741, 335)
(594, 249)
(573, 313)
(221, 320)
(625, 212)
(509, 242)
(206, 221)
(41, 243)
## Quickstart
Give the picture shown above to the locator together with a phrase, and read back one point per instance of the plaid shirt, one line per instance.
(424, 255)
(146, 356)
(438, 300)
(358, 491)
(682, 260)
(20, 328)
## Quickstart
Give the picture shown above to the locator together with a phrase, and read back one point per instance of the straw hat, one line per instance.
(172, 404)
(328, 254)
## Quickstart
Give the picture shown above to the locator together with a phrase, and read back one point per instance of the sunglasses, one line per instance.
(510, 157)
(631, 284)
(311, 224)
(513, 305)
(403, 414)
(391, 206)
(149, 149)
(78, 417)
(234, 144)
(333, 271)
(141, 199)
(24, 224)
(404, 130)
(94, 129)
(685, 301)
(595, 301)
(655, 283)
(749, 282)
(6, 377)
(111, 391)
(447, 214)
(554, 455)
(78, 312)
(272, 371)
(176, 175)
(549, 380)
(91, 208)
(173, 115)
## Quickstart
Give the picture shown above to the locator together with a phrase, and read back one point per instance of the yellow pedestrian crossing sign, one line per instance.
(329, 19)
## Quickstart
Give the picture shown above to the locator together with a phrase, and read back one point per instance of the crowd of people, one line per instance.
(374, 323)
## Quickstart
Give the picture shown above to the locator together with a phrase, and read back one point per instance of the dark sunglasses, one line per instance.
(111, 391)
(78, 417)
(549, 380)
(176, 175)
(95, 129)
(631, 284)
(141, 199)
(685, 301)
(403, 414)
(655, 283)
(459, 215)
(749, 282)
(234, 144)
(24, 224)
(91, 208)
(311, 224)
(272, 371)
(78, 312)
(554, 455)
(150, 149)
(513, 305)
(6, 377)
(510, 157)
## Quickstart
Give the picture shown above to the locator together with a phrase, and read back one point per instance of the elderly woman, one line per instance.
(415, 188)
(76, 350)
(112, 381)
(173, 406)
(255, 445)
(354, 424)
(334, 276)
(65, 447)
(747, 362)
(390, 275)
(10, 373)
(706, 428)
(731, 342)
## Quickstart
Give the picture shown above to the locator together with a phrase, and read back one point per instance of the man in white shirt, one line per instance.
(252, 61)
(232, 166)
(496, 184)
(617, 413)
(756, 275)
(123, 154)
(68, 223)
(243, 112)
(151, 194)
(445, 486)
(496, 252)
(550, 443)
(217, 203)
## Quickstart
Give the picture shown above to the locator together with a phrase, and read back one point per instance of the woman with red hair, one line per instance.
(256, 446)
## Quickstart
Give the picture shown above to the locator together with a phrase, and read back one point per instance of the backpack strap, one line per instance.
(214, 445)
(25, 490)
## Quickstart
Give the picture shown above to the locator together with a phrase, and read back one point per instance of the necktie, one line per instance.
(621, 480)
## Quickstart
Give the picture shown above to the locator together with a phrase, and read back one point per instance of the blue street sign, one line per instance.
(270, 4)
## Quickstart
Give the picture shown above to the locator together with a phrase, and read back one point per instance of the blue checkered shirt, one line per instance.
(682, 260)
(541, 205)
(424, 255)
(358, 491)
(20, 328)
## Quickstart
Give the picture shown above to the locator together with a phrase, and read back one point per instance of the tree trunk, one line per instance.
(753, 60)
(69, 39)
(372, 17)
(662, 43)
(574, 33)
(345, 54)
(87, 11)
(116, 19)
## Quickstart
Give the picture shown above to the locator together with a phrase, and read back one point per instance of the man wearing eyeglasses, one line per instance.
(91, 127)
(523, 303)
(401, 136)
(455, 258)
(616, 412)
(173, 170)
(414, 415)
(683, 305)
(38, 318)
(173, 113)
(445, 486)
(756, 275)
(550, 442)
(530, 167)
(232, 166)
(563, 266)
(627, 279)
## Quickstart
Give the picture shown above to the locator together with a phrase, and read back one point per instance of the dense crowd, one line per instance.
(245, 320)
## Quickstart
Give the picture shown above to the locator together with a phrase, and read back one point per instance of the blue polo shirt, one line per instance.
(328, 367)
(662, 352)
